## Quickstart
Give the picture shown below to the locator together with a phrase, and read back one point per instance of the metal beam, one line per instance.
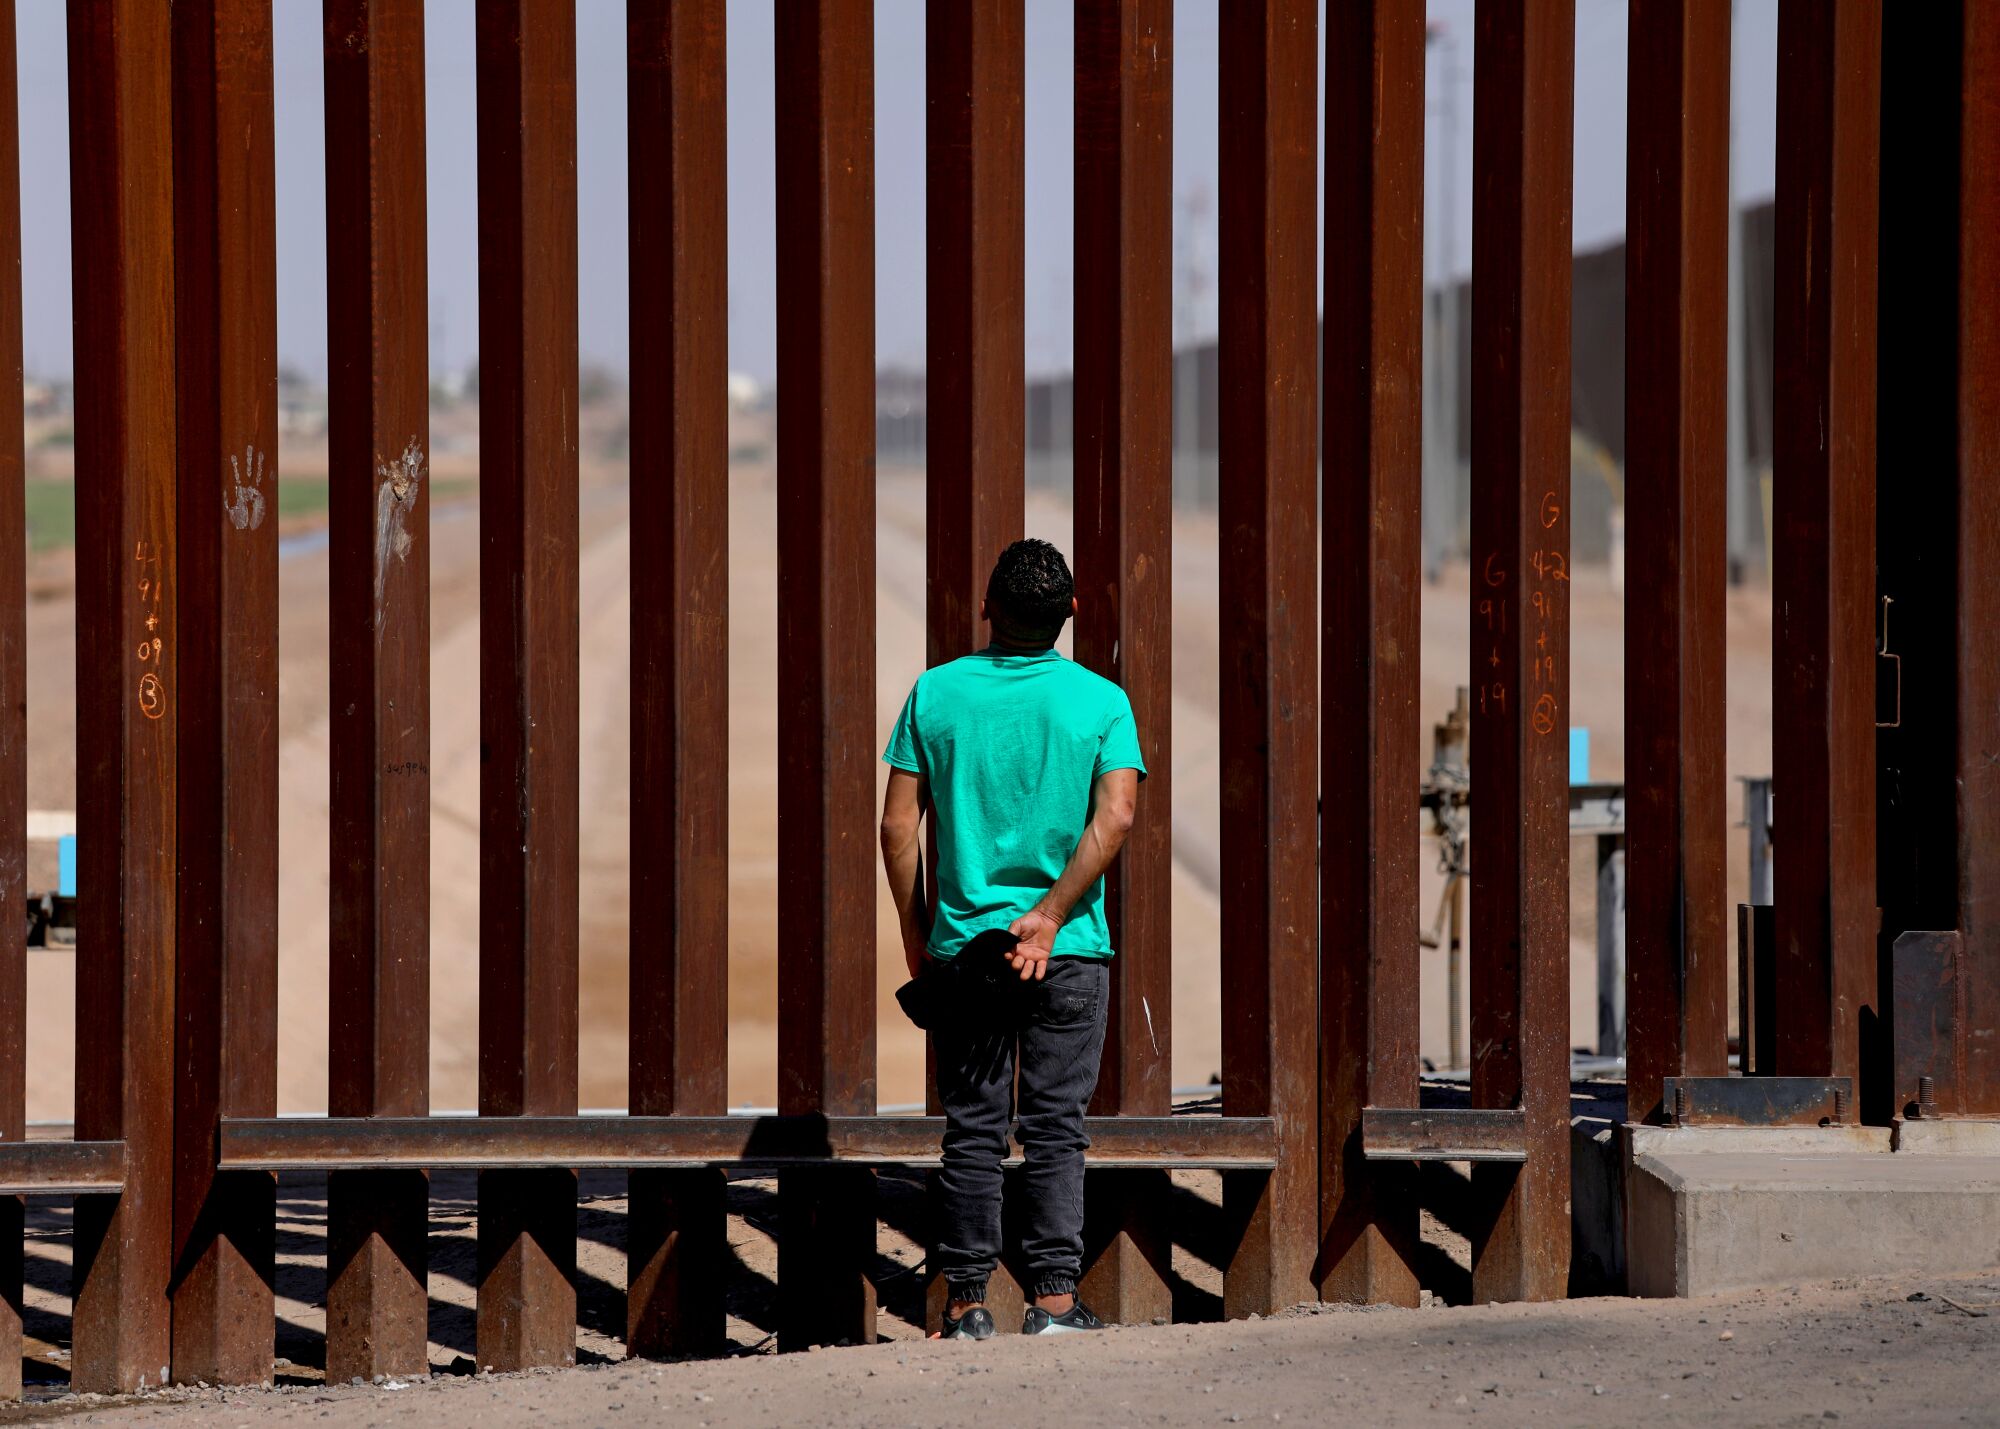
(826, 647)
(1522, 80)
(226, 964)
(528, 633)
(1124, 551)
(1269, 711)
(1462, 1134)
(127, 677)
(1370, 757)
(679, 1042)
(323, 1143)
(1676, 496)
(61, 1168)
(378, 402)
(1823, 644)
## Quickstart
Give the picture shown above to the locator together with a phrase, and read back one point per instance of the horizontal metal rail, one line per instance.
(1444, 1134)
(433, 1143)
(61, 1168)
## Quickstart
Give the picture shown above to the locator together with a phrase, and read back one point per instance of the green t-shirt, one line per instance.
(1011, 743)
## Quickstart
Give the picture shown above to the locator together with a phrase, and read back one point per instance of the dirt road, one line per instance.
(1872, 1352)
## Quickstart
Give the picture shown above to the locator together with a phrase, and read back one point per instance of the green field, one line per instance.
(52, 506)
(51, 515)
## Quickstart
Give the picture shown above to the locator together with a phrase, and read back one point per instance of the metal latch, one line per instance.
(1888, 676)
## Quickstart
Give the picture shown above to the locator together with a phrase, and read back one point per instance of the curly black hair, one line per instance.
(1029, 592)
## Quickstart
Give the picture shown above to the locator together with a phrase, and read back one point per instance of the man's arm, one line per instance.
(1113, 799)
(902, 814)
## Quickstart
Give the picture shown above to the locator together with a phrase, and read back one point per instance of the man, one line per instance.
(1030, 766)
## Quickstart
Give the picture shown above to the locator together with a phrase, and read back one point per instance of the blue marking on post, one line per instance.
(1579, 754)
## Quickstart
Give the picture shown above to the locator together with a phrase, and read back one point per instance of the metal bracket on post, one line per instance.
(1928, 997)
(1759, 1101)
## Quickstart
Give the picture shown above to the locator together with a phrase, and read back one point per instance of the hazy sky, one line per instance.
(899, 128)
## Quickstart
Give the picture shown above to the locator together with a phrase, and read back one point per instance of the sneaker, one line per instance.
(1078, 1317)
(974, 1324)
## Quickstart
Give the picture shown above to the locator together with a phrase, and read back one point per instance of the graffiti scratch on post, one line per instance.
(400, 481)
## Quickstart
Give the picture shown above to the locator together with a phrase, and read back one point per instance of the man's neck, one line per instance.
(1021, 647)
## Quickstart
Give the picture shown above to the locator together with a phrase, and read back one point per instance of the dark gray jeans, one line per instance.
(1057, 1025)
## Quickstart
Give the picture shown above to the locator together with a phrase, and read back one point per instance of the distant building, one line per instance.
(301, 405)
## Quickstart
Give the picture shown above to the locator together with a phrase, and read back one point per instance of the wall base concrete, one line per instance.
(1958, 1136)
(1718, 1209)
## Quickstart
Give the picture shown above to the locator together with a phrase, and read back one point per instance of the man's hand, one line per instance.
(1036, 931)
(1112, 798)
(915, 954)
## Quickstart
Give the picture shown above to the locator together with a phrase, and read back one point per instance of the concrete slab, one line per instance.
(1955, 1136)
(1649, 1140)
(1705, 1221)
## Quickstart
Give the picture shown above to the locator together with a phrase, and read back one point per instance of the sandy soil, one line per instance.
(1881, 1351)
(1872, 1352)
(1597, 700)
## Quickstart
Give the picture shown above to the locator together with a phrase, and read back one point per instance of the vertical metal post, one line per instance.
(127, 678)
(826, 649)
(528, 633)
(1124, 551)
(1676, 980)
(974, 318)
(226, 964)
(1935, 528)
(13, 709)
(680, 656)
(974, 76)
(1823, 648)
(1269, 62)
(378, 399)
(1918, 531)
(1916, 562)
(1978, 783)
(1371, 570)
(1522, 81)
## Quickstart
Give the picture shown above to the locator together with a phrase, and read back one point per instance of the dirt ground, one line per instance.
(1868, 1352)
(1198, 931)
(1883, 1351)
